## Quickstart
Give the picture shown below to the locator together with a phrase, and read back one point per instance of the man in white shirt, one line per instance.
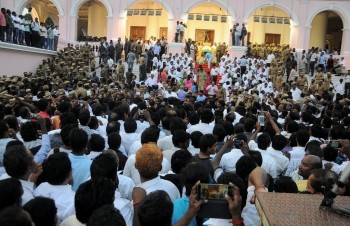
(129, 134)
(170, 93)
(43, 36)
(205, 125)
(296, 92)
(181, 140)
(151, 81)
(149, 163)
(278, 143)
(56, 34)
(212, 89)
(229, 160)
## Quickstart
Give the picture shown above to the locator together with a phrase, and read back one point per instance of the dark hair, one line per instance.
(97, 143)
(13, 216)
(227, 177)
(104, 166)
(207, 116)
(244, 166)
(285, 185)
(323, 180)
(314, 148)
(220, 132)
(249, 125)
(3, 129)
(156, 209)
(68, 118)
(179, 160)
(93, 124)
(293, 127)
(106, 215)
(42, 104)
(17, 160)
(97, 109)
(195, 138)
(302, 137)
(256, 155)
(279, 142)
(78, 140)
(177, 124)
(206, 141)
(56, 169)
(10, 192)
(179, 137)
(228, 128)
(150, 134)
(65, 133)
(91, 195)
(84, 117)
(113, 126)
(42, 210)
(263, 141)
(63, 106)
(130, 125)
(317, 131)
(114, 141)
(330, 153)
(29, 131)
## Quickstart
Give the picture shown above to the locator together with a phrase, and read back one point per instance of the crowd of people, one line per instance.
(26, 30)
(78, 148)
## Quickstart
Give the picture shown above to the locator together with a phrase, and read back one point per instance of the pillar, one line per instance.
(319, 30)
(121, 28)
(345, 47)
(294, 39)
(306, 37)
(171, 30)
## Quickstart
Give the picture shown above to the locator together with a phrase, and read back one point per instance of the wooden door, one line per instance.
(163, 32)
(201, 33)
(273, 38)
(137, 32)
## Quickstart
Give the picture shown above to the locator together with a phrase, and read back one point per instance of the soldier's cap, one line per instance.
(80, 83)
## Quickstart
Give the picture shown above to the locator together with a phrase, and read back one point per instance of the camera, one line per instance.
(213, 191)
(238, 144)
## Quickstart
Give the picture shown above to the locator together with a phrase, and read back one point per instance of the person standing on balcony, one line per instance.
(2, 24)
(35, 33)
(56, 34)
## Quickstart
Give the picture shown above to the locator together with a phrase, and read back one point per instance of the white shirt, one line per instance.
(229, 160)
(134, 147)
(56, 32)
(166, 143)
(268, 164)
(297, 153)
(125, 186)
(204, 128)
(125, 207)
(128, 139)
(131, 171)
(63, 195)
(169, 153)
(296, 93)
(172, 94)
(160, 184)
(151, 81)
(102, 128)
(281, 160)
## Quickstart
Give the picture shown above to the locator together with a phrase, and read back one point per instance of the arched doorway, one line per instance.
(92, 21)
(208, 23)
(41, 9)
(326, 31)
(269, 25)
(146, 19)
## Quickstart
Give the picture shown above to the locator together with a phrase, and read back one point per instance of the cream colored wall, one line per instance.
(319, 30)
(222, 30)
(258, 30)
(97, 20)
(152, 23)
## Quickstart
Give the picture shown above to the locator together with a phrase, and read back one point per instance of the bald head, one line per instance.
(309, 163)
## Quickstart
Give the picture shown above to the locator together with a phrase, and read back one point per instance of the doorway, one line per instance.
(204, 36)
(137, 33)
(273, 39)
(163, 32)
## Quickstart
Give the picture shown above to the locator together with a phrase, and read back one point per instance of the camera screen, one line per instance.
(213, 191)
(261, 120)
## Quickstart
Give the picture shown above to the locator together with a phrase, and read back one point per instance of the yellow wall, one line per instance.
(97, 20)
(152, 23)
(258, 30)
(319, 30)
(222, 30)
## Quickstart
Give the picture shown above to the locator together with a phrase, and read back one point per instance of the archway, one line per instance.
(270, 25)
(146, 19)
(42, 9)
(92, 21)
(326, 31)
(208, 22)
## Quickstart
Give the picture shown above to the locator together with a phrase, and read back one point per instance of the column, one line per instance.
(294, 39)
(112, 28)
(306, 39)
(171, 30)
(345, 47)
(319, 30)
(121, 28)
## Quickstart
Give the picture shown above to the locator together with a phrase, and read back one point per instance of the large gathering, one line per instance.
(182, 126)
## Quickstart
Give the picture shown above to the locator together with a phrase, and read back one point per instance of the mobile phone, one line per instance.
(213, 191)
(335, 144)
(261, 119)
(237, 144)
